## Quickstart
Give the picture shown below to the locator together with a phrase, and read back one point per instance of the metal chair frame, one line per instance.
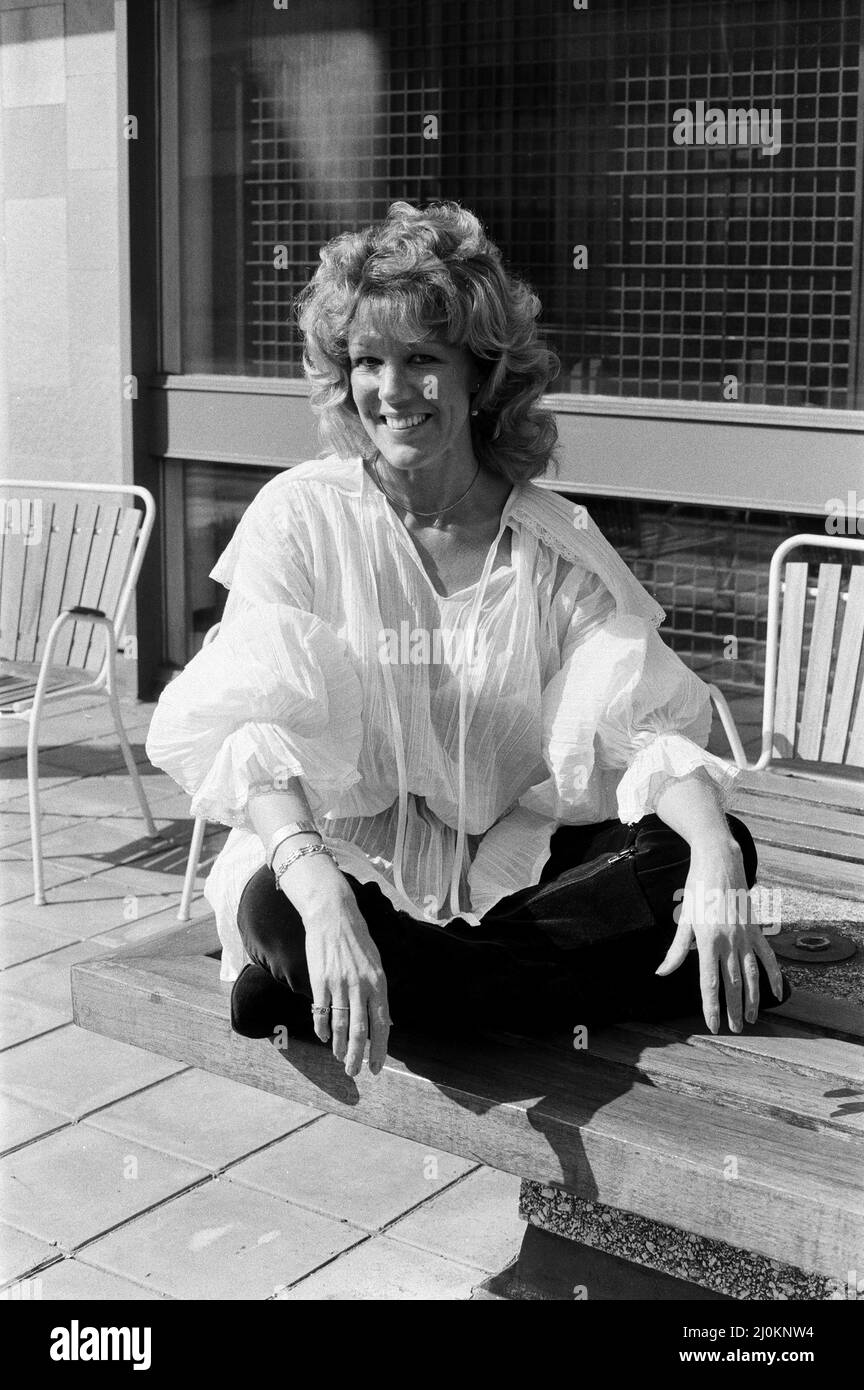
(105, 681)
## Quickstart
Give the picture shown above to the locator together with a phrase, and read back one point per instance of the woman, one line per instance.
(466, 777)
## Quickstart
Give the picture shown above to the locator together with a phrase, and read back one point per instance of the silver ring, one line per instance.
(320, 1009)
(340, 1008)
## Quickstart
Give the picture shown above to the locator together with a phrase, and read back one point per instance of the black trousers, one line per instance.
(581, 947)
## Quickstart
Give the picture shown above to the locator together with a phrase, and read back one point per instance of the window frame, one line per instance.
(801, 427)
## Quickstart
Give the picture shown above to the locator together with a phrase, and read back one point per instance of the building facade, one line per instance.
(682, 182)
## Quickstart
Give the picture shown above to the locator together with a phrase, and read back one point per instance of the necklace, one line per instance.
(406, 507)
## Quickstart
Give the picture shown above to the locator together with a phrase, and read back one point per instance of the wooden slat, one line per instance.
(569, 1117)
(94, 579)
(62, 525)
(11, 593)
(115, 574)
(757, 1086)
(836, 876)
(789, 659)
(119, 559)
(807, 838)
(36, 563)
(778, 1045)
(802, 787)
(837, 1063)
(819, 661)
(846, 671)
(86, 516)
(775, 808)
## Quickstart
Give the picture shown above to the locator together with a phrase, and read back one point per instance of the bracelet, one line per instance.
(299, 854)
(297, 827)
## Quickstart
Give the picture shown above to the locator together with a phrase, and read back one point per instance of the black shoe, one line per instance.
(260, 1005)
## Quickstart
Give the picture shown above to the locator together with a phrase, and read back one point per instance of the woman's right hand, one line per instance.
(343, 962)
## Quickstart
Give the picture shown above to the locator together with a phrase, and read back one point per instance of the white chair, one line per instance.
(813, 706)
(69, 563)
(198, 830)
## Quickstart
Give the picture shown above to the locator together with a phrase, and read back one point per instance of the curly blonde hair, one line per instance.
(433, 268)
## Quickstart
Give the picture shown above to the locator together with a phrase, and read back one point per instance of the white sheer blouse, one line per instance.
(440, 740)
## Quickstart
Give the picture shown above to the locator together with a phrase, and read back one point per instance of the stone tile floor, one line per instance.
(127, 1176)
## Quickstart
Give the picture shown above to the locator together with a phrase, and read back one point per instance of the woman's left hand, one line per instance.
(716, 909)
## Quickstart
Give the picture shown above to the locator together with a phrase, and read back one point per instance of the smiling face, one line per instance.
(413, 398)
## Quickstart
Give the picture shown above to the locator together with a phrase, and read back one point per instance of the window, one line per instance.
(214, 499)
(714, 270)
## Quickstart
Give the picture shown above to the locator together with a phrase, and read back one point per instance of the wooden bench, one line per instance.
(809, 831)
(723, 1165)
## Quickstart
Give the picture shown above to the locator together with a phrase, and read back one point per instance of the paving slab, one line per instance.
(222, 1242)
(20, 1122)
(45, 980)
(15, 827)
(154, 924)
(22, 941)
(75, 1072)
(96, 756)
(203, 1118)
(14, 854)
(80, 1183)
(92, 843)
(91, 718)
(147, 880)
(89, 796)
(174, 803)
(16, 877)
(386, 1270)
(13, 776)
(350, 1171)
(20, 1253)
(22, 1019)
(89, 846)
(476, 1221)
(86, 907)
(74, 1281)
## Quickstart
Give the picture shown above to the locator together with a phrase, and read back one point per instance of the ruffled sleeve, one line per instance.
(657, 723)
(274, 696)
(271, 698)
(623, 703)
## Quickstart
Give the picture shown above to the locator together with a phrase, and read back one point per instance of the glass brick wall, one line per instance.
(708, 567)
(704, 261)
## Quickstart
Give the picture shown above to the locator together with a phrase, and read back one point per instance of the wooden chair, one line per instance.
(69, 562)
(183, 912)
(803, 797)
(813, 706)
